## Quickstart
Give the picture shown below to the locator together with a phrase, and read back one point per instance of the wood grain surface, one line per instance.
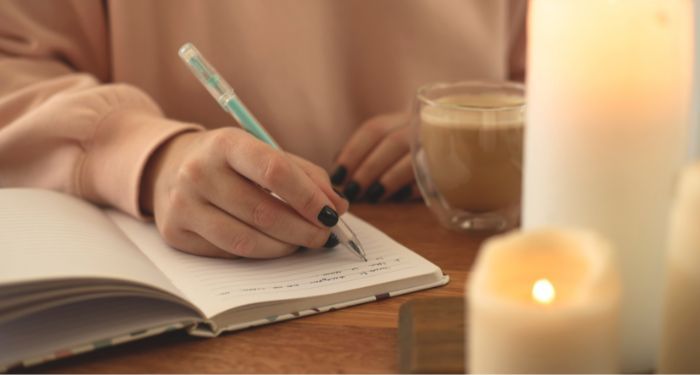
(359, 339)
(431, 336)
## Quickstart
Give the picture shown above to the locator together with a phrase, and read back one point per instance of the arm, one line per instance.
(60, 127)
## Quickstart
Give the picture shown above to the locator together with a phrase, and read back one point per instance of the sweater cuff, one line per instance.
(122, 145)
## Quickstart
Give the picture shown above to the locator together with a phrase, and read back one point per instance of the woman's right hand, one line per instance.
(210, 195)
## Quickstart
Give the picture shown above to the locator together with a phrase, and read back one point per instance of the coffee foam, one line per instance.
(475, 111)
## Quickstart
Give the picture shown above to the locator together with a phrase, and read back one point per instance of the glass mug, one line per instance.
(467, 152)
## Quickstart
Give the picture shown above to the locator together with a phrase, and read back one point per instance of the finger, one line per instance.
(172, 226)
(193, 243)
(276, 172)
(235, 237)
(259, 209)
(410, 192)
(320, 177)
(397, 177)
(366, 138)
(403, 194)
(392, 148)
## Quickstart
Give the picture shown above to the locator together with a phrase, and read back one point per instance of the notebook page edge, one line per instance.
(214, 330)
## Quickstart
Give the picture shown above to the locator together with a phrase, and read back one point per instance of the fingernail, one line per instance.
(375, 192)
(338, 176)
(339, 193)
(351, 191)
(328, 216)
(403, 194)
(332, 241)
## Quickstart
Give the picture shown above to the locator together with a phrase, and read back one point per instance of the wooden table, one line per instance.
(358, 339)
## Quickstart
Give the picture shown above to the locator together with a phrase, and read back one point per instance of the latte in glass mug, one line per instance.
(473, 145)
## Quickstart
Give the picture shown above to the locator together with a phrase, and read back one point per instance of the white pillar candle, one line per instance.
(545, 301)
(608, 98)
(694, 149)
(680, 339)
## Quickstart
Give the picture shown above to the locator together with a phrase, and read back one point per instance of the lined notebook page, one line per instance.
(46, 235)
(216, 285)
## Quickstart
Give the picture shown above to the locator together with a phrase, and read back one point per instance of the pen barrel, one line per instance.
(239, 111)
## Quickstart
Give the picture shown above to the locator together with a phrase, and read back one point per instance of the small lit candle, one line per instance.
(680, 339)
(543, 291)
(544, 301)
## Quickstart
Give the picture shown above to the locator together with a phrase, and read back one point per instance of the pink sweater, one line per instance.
(89, 89)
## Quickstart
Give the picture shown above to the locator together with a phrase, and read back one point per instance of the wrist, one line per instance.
(156, 168)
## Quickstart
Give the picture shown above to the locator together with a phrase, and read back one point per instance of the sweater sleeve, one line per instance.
(61, 126)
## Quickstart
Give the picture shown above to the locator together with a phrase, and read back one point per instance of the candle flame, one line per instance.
(543, 291)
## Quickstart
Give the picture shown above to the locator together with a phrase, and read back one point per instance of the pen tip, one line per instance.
(357, 250)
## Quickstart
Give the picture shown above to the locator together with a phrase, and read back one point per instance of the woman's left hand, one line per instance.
(376, 163)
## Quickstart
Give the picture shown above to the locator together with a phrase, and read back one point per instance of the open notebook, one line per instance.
(74, 278)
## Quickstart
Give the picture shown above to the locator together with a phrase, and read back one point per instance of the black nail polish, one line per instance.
(352, 190)
(402, 194)
(338, 176)
(328, 216)
(375, 192)
(340, 194)
(332, 241)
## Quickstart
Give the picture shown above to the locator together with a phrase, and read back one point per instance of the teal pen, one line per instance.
(229, 101)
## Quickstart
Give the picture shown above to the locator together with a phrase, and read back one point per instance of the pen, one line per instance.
(229, 101)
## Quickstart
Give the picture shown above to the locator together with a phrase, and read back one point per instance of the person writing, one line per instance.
(94, 102)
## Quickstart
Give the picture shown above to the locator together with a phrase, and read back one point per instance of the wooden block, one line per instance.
(432, 336)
